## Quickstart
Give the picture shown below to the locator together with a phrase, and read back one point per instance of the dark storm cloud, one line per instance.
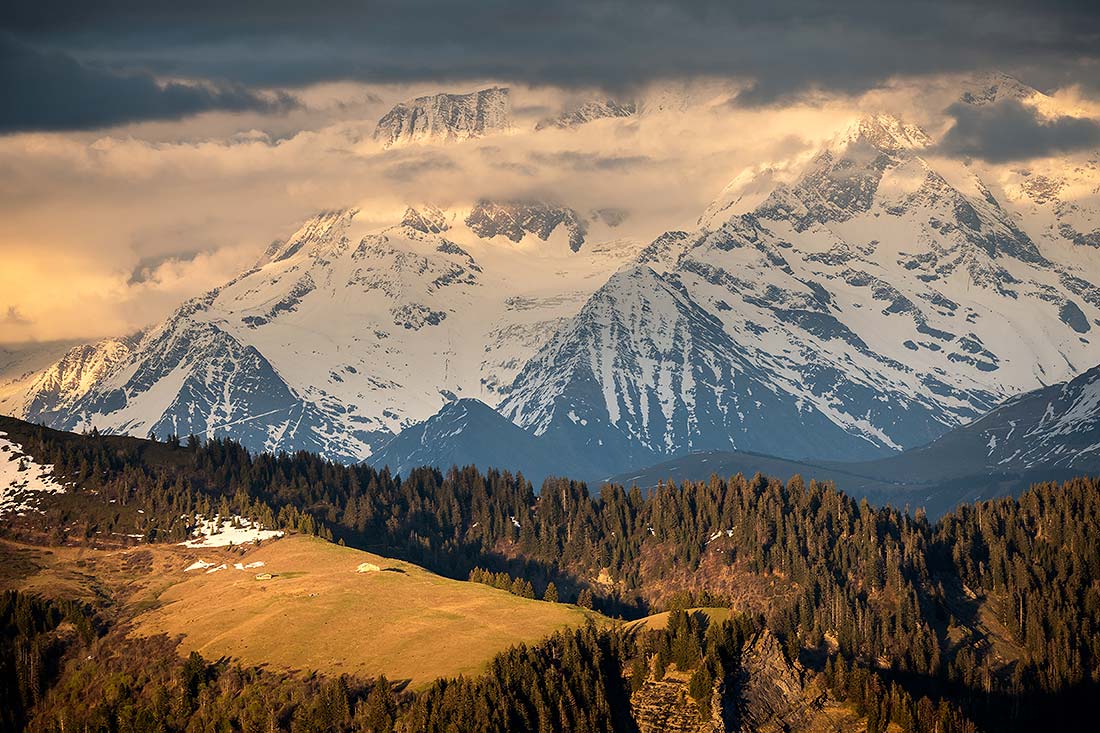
(47, 90)
(1011, 130)
(780, 48)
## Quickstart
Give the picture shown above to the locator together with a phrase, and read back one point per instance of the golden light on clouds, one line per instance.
(105, 233)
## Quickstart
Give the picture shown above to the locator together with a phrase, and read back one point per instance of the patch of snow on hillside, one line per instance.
(236, 530)
(209, 567)
(23, 481)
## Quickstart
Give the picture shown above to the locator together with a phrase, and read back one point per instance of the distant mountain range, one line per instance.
(1049, 434)
(873, 300)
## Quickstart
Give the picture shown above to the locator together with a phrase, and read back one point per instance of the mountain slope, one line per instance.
(341, 335)
(1053, 430)
(644, 371)
(1049, 434)
(588, 112)
(465, 432)
(895, 299)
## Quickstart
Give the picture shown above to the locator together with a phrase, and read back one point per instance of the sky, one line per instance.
(152, 150)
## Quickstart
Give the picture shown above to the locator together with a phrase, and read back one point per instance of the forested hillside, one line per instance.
(580, 680)
(996, 607)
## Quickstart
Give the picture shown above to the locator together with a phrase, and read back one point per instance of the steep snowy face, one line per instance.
(446, 117)
(839, 183)
(425, 219)
(588, 112)
(894, 299)
(189, 376)
(340, 336)
(22, 366)
(515, 220)
(644, 371)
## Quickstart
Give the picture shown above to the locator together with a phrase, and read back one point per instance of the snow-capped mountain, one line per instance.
(341, 335)
(22, 365)
(588, 112)
(866, 301)
(890, 297)
(992, 87)
(446, 117)
(644, 371)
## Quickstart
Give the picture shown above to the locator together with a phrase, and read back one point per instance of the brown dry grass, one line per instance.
(317, 613)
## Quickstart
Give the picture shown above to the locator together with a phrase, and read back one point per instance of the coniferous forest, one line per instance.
(903, 617)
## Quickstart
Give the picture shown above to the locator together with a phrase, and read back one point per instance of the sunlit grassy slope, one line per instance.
(316, 613)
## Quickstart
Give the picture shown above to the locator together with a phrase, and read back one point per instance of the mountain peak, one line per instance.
(994, 86)
(427, 219)
(885, 133)
(446, 117)
(320, 233)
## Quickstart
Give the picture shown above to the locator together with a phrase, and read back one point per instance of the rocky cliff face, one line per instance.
(588, 112)
(770, 694)
(515, 220)
(445, 117)
(663, 706)
(773, 694)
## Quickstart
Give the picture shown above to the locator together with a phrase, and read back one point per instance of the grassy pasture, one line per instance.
(316, 613)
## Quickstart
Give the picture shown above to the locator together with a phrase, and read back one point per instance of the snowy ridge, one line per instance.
(588, 112)
(58, 388)
(1057, 426)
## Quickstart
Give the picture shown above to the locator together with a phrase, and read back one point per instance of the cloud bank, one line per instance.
(1012, 131)
(49, 90)
(778, 49)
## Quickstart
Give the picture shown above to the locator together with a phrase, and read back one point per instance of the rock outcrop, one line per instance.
(516, 219)
(663, 706)
(774, 694)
